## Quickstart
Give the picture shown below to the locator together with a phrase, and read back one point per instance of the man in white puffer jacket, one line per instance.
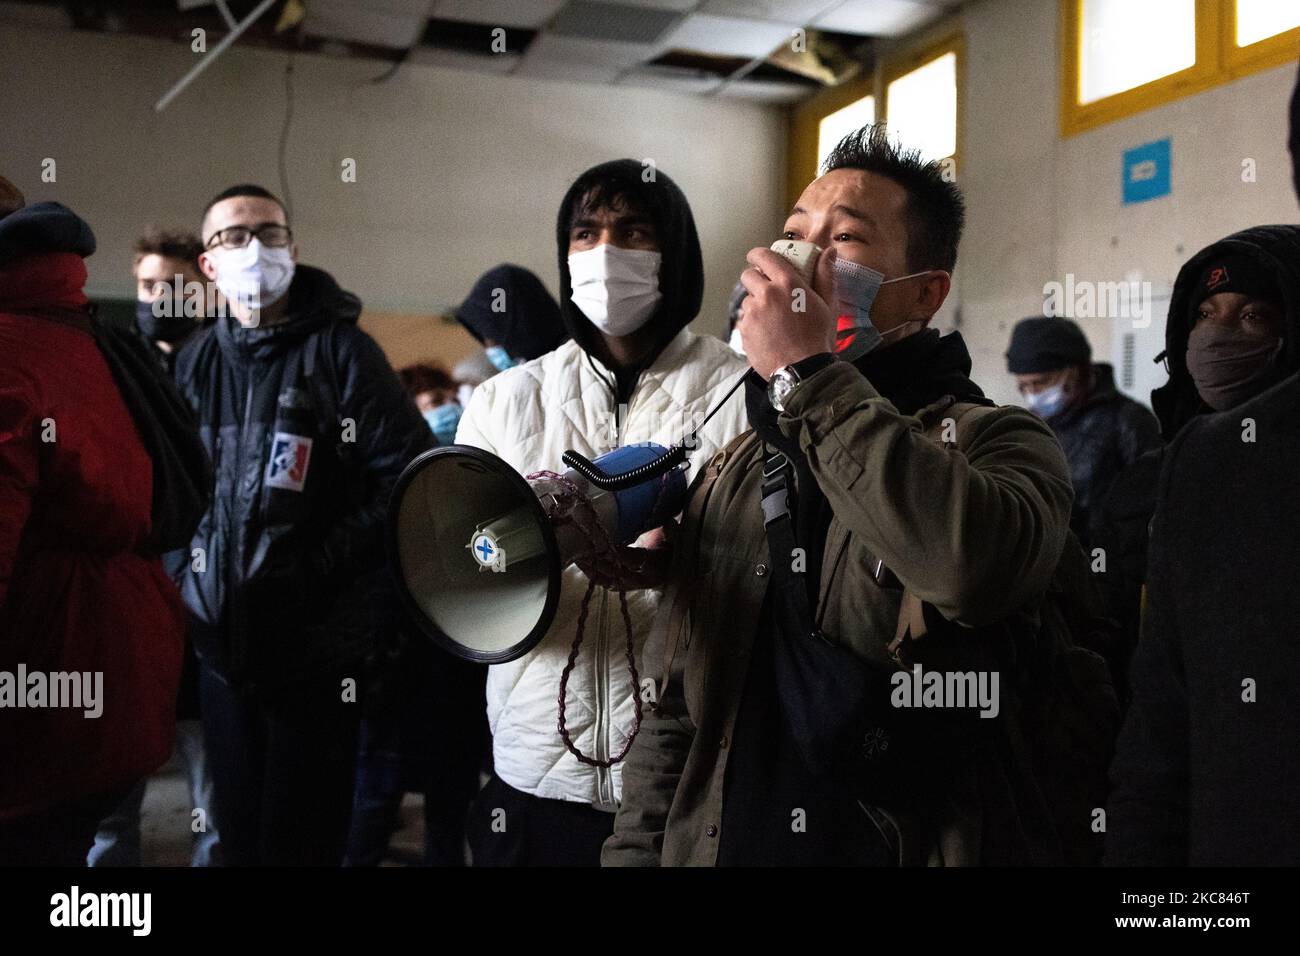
(631, 279)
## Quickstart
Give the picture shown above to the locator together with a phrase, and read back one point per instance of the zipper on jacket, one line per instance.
(601, 702)
(234, 556)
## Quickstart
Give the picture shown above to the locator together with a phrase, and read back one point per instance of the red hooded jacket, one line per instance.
(77, 592)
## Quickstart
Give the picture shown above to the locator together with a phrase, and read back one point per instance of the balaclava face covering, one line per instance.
(1227, 363)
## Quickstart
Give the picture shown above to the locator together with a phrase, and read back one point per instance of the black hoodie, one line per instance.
(530, 325)
(1121, 520)
(681, 273)
(1276, 247)
(292, 545)
(1204, 772)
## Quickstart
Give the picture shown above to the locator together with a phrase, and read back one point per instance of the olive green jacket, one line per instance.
(974, 528)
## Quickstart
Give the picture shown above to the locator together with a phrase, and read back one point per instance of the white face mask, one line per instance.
(617, 289)
(254, 276)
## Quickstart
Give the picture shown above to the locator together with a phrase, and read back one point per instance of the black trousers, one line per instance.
(510, 828)
(282, 771)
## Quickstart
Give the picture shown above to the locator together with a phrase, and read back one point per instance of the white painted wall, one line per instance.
(456, 171)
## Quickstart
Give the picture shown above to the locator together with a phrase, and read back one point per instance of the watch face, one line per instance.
(779, 387)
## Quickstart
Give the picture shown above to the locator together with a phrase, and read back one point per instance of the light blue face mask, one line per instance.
(856, 287)
(1048, 402)
(499, 357)
(443, 421)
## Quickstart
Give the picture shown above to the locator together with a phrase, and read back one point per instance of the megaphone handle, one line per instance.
(652, 469)
(606, 482)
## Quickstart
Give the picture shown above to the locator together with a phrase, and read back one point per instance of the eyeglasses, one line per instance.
(236, 237)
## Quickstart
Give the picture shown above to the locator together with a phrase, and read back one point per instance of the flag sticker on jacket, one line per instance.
(290, 456)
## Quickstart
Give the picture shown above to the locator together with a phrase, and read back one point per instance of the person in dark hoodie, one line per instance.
(82, 589)
(631, 280)
(880, 508)
(513, 316)
(515, 319)
(1204, 773)
(1228, 297)
(1101, 431)
(308, 429)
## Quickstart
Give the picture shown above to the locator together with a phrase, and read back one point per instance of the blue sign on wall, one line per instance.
(1147, 171)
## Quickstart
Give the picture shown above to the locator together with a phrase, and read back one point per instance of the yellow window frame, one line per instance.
(903, 65)
(805, 126)
(1265, 54)
(805, 119)
(1218, 60)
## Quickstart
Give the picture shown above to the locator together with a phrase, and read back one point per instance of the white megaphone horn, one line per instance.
(477, 549)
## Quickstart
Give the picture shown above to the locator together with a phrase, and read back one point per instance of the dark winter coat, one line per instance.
(1101, 436)
(1206, 772)
(1121, 519)
(308, 428)
(1221, 602)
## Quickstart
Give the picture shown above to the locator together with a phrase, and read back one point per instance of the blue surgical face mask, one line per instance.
(500, 358)
(443, 421)
(1048, 402)
(856, 287)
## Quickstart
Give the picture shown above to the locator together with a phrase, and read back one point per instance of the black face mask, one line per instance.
(1229, 365)
(164, 328)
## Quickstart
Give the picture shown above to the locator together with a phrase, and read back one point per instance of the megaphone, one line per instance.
(477, 549)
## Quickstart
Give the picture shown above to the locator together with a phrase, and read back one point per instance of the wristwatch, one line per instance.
(785, 379)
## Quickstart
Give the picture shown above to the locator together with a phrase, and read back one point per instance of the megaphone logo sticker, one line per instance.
(489, 555)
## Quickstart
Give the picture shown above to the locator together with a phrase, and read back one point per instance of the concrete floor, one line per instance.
(165, 823)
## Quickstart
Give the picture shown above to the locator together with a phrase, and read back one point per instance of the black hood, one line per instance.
(315, 301)
(1277, 248)
(43, 228)
(681, 273)
(529, 327)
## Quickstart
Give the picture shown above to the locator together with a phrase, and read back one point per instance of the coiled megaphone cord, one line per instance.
(601, 544)
(652, 469)
(606, 482)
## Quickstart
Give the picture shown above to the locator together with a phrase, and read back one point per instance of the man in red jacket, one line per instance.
(90, 625)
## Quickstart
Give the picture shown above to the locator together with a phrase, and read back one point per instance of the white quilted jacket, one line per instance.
(529, 416)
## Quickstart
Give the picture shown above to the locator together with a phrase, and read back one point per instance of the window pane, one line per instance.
(1260, 19)
(923, 108)
(842, 122)
(1126, 44)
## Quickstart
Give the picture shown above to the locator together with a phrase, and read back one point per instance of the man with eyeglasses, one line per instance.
(307, 427)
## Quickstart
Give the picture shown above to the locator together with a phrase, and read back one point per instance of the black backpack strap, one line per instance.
(790, 588)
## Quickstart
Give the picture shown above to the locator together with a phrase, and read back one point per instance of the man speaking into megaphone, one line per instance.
(631, 279)
(879, 510)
